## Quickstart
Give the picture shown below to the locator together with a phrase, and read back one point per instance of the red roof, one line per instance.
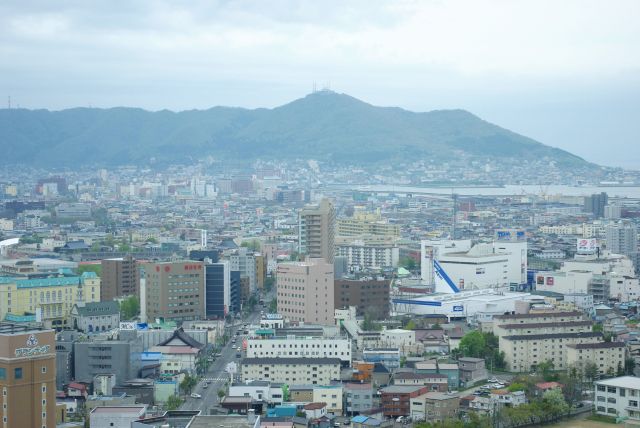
(79, 386)
(548, 385)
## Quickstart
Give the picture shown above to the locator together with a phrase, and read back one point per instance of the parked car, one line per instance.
(194, 395)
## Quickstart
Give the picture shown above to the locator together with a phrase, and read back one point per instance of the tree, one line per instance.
(629, 366)
(173, 402)
(473, 344)
(253, 245)
(273, 306)
(408, 263)
(97, 269)
(129, 308)
(202, 365)
(188, 383)
(546, 370)
(221, 394)
(411, 325)
(590, 371)
(553, 403)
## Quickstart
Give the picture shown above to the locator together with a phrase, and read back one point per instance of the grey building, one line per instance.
(358, 397)
(95, 316)
(595, 204)
(622, 238)
(64, 357)
(119, 357)
(472, 370)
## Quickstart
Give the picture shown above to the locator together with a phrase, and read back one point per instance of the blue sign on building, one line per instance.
(458, 308)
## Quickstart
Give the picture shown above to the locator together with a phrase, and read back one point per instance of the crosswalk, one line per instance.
(216, 379)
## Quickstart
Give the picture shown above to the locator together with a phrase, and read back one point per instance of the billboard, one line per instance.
(458, 308)
(549, 280)
(510, 235)
(587, 246)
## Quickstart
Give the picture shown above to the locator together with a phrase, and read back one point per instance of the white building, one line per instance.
(454, 266)
(330, 394)
(297, 347)
(368, 257)
(258, 390)
(292, 371)
(618, 397)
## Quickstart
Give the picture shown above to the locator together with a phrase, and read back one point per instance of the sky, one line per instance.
(566, 73)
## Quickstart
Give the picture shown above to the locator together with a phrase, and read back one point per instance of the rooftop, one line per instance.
(630, 382)
(555, 336)
(312, 361)
(134, 410)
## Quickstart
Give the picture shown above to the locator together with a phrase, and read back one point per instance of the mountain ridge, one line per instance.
(323, 125)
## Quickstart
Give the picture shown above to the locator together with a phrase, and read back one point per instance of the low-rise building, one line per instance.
(388, 357)
(433, 381)
(508, 398)
(260, 391)
(299, 346)
(95, 316)
(292, 371)
(395, 400)
(358, 397)
(330, 394)
(116, 416)
(434, 406)
(472, 370)
(618, 397)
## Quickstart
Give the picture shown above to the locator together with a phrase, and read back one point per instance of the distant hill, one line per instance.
(323, 125)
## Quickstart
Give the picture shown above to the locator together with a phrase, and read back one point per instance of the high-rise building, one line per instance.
(244, 261)
(27, 376)
(217, 290)
(622, 238)
(316, 231)
(173, 290)
(370, 296)
(119, 278)
(595, 204)
(306, 291)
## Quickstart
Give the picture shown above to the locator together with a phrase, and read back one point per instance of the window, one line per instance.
(3, 373)
(44, 369)
(17, 373)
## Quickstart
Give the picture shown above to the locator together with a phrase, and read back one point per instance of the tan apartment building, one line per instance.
(608, 356)
(524, 352)
(292, 371)
(542, 328)
(547, 317)
(316, 231)
(27, 376)
(367, 224)
(173, 290)
(305, 291)
(119, 278)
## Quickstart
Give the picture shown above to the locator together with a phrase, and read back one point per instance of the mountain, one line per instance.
(323, 125)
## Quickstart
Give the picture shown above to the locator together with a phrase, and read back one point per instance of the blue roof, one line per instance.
(282, 411)
(19, 318)
(89, 274)
(359, 419)
(48, 282)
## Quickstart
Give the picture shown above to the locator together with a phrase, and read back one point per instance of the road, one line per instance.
(217, 372)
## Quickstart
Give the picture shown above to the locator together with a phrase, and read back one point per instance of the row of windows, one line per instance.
(17, 372)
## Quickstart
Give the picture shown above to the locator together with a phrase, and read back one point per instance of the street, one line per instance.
(216, 372)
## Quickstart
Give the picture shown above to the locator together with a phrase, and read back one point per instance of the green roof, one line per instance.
(48, 282)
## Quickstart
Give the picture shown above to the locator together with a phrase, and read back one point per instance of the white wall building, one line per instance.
(258, 390)
(296, 347)
(619, 396)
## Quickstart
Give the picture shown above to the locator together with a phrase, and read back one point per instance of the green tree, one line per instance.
(273, 306)
(253, 245)
(629, 366)
(269, 283)
(129, 308)
(97, 269)
(411, 325)
(408, 263)
(173, 402)
(221, 393)
(188, 383)
(546, 370)
(590, 371)
(473, 344)
(553, 403)
(202, 365)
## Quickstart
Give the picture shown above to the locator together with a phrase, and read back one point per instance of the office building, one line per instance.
(244, 261)
(292, 371)
(305, 291)
(48, 300)
(369, 295)
(363, 257)
(316, 231)
(73, 210)
(173, 290)
(618, 397)
(119, 278)
(217, 290)
(27, 376)
(595, 204)
(622, 238)
(120, 358)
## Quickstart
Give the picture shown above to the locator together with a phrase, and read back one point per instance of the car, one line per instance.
(400, 418)
(347, 422)
(238, 355)
(194, 395)
(336, 424)
(493, 380)
(205, 385)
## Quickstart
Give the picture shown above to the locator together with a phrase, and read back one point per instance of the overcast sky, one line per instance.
(566, 73)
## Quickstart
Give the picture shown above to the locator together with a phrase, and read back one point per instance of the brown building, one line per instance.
(27, 376)
(173, 290)
(368, 295)
(261, 271)
(396, 399)
(119, 278)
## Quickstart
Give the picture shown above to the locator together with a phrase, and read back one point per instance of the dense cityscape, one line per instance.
(319, 214)
(307, 294)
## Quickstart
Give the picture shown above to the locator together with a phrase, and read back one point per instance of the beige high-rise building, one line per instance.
(173, 291)
(316, 234)
(27, 376)
(305, 291)
(119, 278)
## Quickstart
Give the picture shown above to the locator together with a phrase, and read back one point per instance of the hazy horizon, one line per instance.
(563, 74)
